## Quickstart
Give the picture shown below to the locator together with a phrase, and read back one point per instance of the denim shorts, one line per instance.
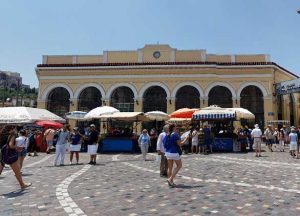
(22, 153)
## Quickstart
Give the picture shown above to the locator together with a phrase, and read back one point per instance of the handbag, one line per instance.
(179, 150)
(9, 156)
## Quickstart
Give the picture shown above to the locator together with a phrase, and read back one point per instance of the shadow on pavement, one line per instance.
(15, 193)
(182, 186)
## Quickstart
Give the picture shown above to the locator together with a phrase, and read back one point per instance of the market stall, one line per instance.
(221, 123)
(122, 138)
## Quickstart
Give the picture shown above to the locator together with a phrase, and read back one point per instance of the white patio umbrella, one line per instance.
(99, 112)
(157, 116)
(242, 113)
(20, 115)
(76, 115)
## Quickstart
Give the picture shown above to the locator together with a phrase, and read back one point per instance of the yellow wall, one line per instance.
(202, 75)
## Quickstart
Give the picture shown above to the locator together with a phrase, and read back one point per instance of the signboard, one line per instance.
(288, 87)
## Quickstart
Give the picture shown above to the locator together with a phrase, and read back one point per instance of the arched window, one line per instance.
(252, 100)
(122, 99)
(291, 106)
(58, 101)
(279, 107)
(89, 99)
(187, 96)
(221, 96)
(155, 98)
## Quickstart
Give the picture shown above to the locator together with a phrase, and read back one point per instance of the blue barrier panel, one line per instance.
(223, 144)
(117, 144)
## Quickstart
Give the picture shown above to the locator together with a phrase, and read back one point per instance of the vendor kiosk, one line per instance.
(221, 124)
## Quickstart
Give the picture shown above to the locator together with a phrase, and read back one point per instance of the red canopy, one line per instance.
(47, 124)
(183, 113)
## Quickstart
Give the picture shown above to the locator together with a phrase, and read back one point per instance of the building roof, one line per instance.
(133, 64)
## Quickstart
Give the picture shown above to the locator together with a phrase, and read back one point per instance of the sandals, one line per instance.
(26, 186)
(171, 184)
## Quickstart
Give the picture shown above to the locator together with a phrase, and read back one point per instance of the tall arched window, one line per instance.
(279, 107)
(89, 99)
(291, 106)
(58, 101)
(155, 98)
(187, 96)
(221, 96)
(122, 99)
(252, 100)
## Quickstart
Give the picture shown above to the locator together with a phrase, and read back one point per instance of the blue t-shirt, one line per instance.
(170, 142)
(75, 138)
(206, 133)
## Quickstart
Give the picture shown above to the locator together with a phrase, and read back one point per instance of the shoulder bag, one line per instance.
(9, 155)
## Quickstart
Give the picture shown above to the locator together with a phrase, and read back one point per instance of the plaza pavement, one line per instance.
(123, 184)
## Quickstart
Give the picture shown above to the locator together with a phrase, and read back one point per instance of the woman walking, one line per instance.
(62, 140)
(172, 144)
(195, 140)
(8, 136)
(22, 144)
(144, 142)
(75, 145)
(293, 138)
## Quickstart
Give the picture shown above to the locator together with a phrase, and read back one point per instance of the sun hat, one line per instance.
(256, 126)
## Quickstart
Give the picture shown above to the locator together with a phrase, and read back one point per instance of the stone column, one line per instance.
(138, 107)
(41, 104)
(170, 104)
(73, 107)
(204, 102)
(269, 108)
(236, 102)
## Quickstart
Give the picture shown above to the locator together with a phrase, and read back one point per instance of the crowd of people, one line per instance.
(170, 144)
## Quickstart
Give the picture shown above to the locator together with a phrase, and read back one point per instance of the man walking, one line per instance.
(49, 136)
(93, 144)
(256, 134)
(161, 151)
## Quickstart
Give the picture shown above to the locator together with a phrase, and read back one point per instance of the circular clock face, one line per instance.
(156, 54)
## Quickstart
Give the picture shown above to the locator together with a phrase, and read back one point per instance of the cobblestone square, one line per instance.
(123, 184)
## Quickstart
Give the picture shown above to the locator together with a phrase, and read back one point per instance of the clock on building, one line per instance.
(156, 54)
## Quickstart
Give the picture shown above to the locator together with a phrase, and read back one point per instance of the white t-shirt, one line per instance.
(256, 133)
(22, 141)
(159, 144)
(63, 137)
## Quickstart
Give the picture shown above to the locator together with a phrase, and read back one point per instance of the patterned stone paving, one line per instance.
(123, 184)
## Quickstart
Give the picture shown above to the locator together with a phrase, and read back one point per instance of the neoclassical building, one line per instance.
(159, 77)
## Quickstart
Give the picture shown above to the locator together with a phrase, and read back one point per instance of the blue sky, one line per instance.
(32, 28)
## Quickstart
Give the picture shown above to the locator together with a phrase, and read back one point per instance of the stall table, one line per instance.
(117, 144)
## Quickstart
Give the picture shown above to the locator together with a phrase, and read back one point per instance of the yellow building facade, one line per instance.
(164, 78)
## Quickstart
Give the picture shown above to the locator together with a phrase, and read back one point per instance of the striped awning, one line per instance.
(214, 114)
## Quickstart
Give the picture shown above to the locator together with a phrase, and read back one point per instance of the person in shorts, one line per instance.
(49, 136)
(93, 144)
(75, 145)
(293, 138)
(172, 143)
(22, 144)
(256, 135)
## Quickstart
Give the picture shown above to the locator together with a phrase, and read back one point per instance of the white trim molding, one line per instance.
(155, 76)
(182, 84)
(224, 84)
(117, 85)
(86, 85)
(49, 88)
(263, 89)
(150, 84)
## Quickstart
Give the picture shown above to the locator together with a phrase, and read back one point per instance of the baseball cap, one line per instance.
(92, 125)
